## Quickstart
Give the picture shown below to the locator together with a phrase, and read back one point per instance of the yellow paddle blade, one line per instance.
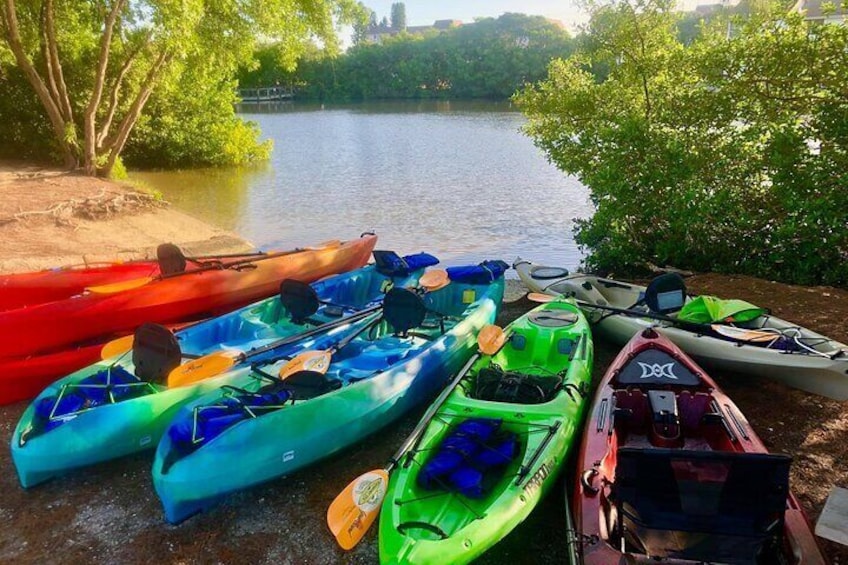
(541, 298)
(355, 508)
(117, 287)
(329, 244)
(490, 339)
(117, 347)
(318, 361)
(201, 368)
(434, 280)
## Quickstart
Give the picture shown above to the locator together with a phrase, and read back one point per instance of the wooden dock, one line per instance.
(264, 95)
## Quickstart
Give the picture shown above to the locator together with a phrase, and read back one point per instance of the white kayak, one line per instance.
(795, 356)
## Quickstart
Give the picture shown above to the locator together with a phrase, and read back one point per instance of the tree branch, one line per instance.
(53, 51)
(116, 90)
(116, 145)
(89, 125)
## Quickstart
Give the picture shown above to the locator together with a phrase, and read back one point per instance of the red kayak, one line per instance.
(28, 289)
(672, 472)
(181, 295)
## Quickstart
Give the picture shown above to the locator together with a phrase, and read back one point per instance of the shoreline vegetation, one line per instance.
(709, 141)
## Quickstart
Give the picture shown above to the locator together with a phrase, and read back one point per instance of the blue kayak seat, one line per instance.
(470, 459)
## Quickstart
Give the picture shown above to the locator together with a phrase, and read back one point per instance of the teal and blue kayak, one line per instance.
(260, 428)
(107, 410)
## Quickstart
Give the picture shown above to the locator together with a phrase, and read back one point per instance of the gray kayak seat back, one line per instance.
(666, 293)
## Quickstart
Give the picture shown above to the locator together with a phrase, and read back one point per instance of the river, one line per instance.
(455, 179)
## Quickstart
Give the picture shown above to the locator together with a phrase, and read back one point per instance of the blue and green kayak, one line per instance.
(112, 408)
(259, 428)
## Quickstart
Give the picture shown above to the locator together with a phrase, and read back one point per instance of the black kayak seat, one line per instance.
(299, 299)
(171, 259)
(156, 352)
(666, 293)
(701, 505)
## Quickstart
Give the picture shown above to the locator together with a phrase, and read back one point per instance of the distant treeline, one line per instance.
(491, 58)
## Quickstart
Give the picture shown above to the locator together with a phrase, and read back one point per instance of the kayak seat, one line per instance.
(171, 259)
(494, 384)
(702, 506)
(470, 459)
(666, 293)
(304, 385)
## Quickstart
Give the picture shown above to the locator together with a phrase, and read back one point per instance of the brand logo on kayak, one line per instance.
(368, 492)
(658, 371)
(539, 477)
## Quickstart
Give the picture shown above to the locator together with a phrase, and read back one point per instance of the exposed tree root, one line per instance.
(104, 205)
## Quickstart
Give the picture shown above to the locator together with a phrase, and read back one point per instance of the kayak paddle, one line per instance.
(118, 287)
(732, 332)
(355, 508)
(319, 360)
(218, 362)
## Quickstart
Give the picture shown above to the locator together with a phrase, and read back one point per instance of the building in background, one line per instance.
(823, 12)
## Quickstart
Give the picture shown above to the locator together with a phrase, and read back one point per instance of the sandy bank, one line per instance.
(50, 218)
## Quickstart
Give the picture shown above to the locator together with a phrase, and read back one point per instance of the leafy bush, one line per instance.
(730, 154)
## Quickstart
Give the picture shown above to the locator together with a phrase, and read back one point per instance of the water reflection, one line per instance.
(456, 179)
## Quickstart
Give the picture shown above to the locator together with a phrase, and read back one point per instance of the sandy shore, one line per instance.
(49, 218)
(110, 513)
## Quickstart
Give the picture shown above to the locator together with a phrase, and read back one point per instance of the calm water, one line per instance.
(457, 180)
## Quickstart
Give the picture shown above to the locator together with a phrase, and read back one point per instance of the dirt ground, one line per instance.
(50, 218)
(110, 513)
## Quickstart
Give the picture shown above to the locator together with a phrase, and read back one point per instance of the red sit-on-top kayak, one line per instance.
(28, 289)
(193, 294)
(670, 471)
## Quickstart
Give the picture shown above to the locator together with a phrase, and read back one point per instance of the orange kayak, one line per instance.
(191, 294)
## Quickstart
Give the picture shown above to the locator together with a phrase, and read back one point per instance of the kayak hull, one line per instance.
(825, 376)
(136, 424)
(27, 289)
(411, 513)
(285, 440)
(172, 300)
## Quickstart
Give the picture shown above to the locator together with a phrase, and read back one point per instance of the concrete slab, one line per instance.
(833, 521)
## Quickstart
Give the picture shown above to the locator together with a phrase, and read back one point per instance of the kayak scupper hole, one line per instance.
(467, 544)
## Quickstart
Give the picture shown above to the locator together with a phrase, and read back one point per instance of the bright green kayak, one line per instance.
(496, 445)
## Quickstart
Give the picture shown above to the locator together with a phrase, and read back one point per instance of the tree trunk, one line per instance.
(90, 116)
(60, 125)
(116, 145)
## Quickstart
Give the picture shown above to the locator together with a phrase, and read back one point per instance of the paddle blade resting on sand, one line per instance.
(490, 339)
(202, 368)
(117, 347)
(356, 507)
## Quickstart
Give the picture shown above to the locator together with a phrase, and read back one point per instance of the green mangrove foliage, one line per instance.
(490, 58)
(95, 69)
(729, 154)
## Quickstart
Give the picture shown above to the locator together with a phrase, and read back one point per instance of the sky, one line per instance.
(425, 12)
